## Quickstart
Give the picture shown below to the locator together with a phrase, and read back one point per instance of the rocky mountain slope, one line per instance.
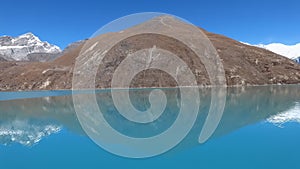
(243, 64)
(27, 47)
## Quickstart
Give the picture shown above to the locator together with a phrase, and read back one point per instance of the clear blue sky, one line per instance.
(62, 21)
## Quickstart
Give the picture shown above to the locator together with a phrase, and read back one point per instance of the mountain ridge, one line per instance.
(289, 51)
(244, 65)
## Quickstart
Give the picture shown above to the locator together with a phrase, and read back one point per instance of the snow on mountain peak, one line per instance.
(289, 51)
(18, 48)
(27, 35)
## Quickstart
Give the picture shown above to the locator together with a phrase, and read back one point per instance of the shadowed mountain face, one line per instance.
(27, 121)
(243, 64)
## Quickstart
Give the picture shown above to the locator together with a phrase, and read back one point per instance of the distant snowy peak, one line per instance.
(289, 51)
(18, 48)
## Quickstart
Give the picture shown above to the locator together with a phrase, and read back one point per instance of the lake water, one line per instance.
(259, 129)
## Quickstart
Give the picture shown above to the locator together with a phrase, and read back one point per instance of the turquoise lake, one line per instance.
(259, 129)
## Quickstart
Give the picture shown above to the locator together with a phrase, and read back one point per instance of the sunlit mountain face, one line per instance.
(27, 47)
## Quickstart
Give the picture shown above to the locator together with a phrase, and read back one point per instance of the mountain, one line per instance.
(43, 57)
(73, 46)
(243, 64)
(289, 51)
(27, 47)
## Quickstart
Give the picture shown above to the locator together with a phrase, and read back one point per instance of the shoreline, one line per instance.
(31, 94)
(141, 88)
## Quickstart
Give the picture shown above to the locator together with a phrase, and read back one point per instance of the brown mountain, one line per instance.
(243, 64)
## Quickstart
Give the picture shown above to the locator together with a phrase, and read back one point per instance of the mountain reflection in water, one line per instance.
(27, 121)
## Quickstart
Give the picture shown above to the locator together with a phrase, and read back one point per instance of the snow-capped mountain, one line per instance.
(289, 51)
(22, 48)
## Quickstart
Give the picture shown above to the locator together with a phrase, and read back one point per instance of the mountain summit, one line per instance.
(26, 47)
